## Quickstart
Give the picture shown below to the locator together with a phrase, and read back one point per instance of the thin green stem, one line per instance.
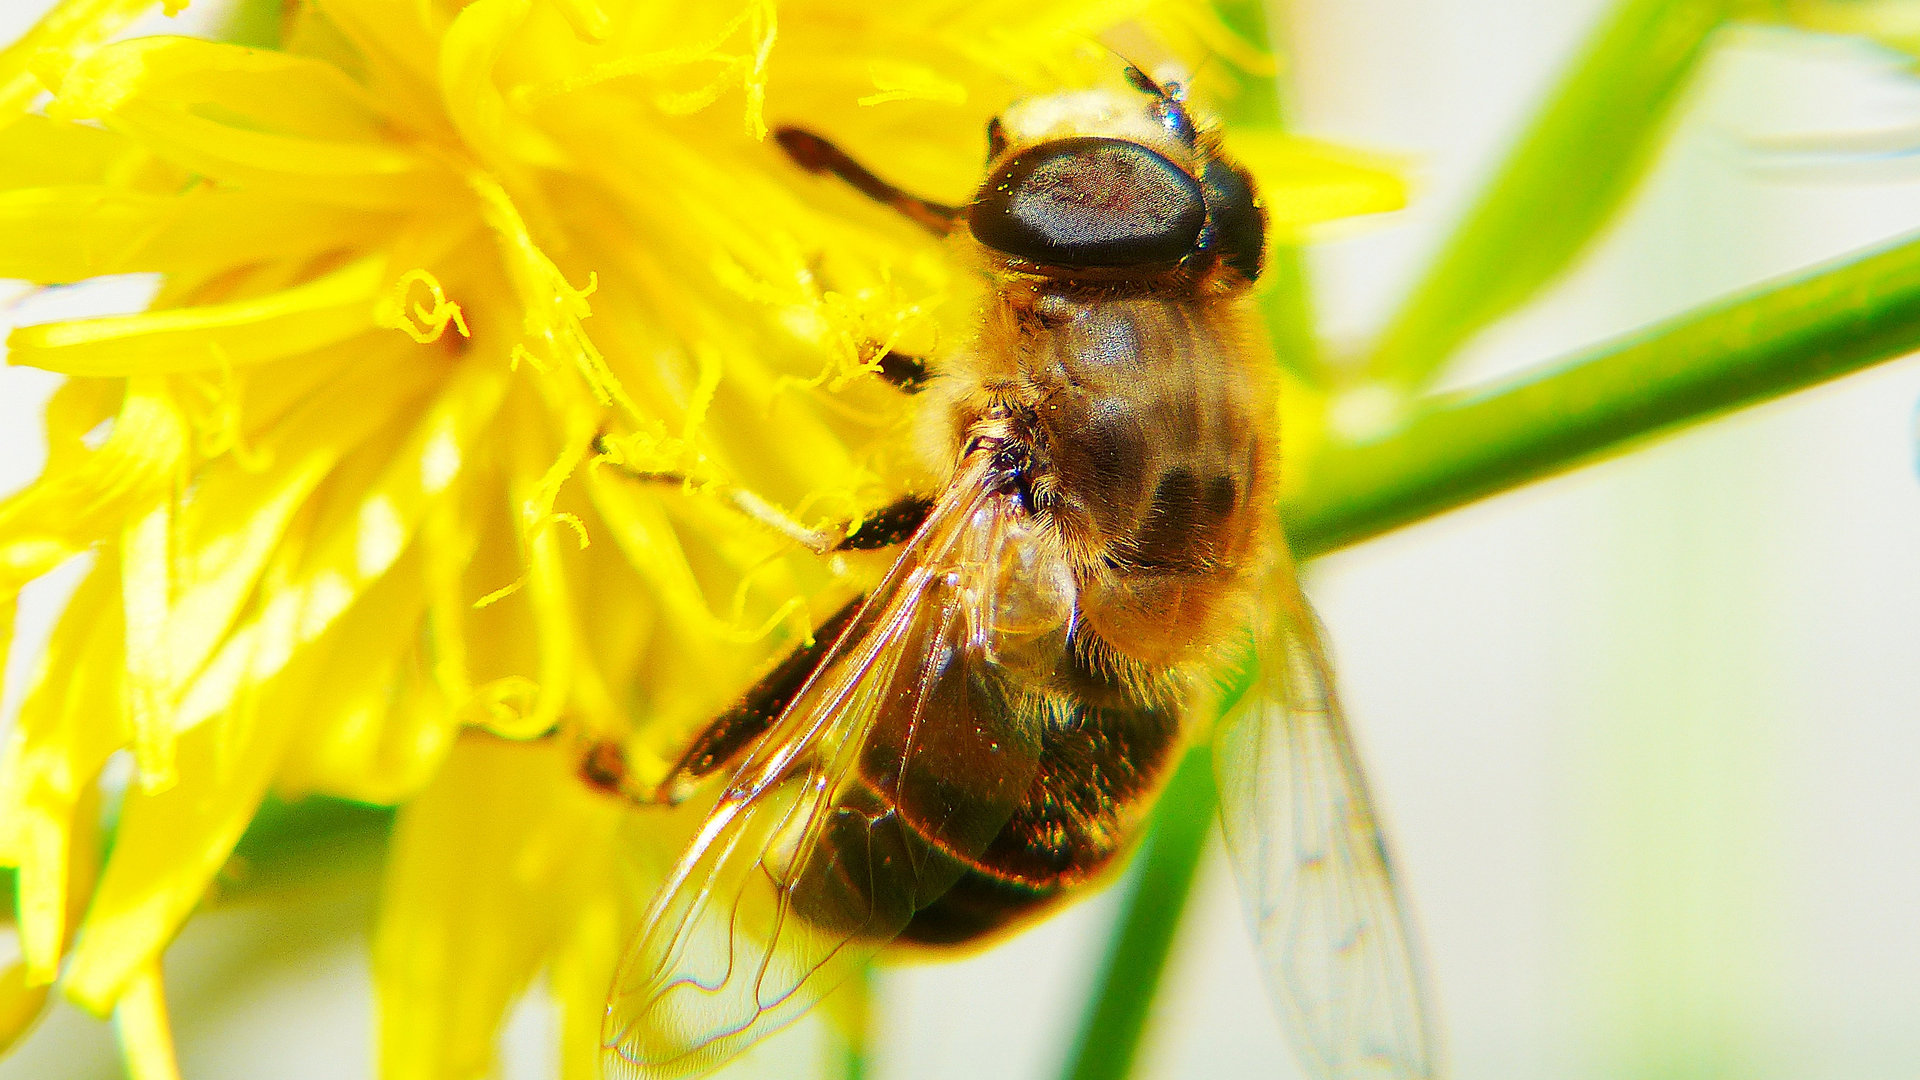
(1457, 448)
(1156, 894)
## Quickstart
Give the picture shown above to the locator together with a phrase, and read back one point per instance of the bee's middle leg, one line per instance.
(907, 374)
(883, 528)
(721, 744)
(603, 766)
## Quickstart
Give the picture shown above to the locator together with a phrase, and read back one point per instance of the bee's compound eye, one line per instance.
(1237, 232)
(1090, 202)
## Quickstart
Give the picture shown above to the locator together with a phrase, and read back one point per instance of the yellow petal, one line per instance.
(9, 613)
(381, 728)
(252, 117)
(1304, 182)
(554, 307)
(379, 742)
(169, 845)
(84, 496)
(146, 596)
(38, 152)
(484, 873)
(241, 512)
(615, 874)
(468, 55)
(350, 543)
(586, 17)
(68, 724)
(390, 48)
(74, 414)
(20, 1004)
(61, 234)
(448, 540)
(146, 1038)
(896, 81)
(71, 30)
(534, 486)
(331, 308)
(581, 970)
(237, 715)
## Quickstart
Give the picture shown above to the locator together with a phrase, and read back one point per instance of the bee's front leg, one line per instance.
(817, 155)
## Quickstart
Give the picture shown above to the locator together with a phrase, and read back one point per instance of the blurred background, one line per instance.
(1647, 736)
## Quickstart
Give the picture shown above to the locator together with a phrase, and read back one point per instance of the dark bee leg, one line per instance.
(891, 524)
(604, 766)
(907, 374)
(817, 155)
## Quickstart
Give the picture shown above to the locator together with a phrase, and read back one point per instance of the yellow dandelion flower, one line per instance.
(437, 279)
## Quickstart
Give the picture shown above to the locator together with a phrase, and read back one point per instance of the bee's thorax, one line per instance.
(1137, 430)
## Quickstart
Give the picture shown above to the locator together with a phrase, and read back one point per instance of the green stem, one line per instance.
(1561, 183)
(1156, 893)
(1461, 447)
(856, 1057)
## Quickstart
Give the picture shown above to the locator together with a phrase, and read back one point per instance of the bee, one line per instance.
(984, 733)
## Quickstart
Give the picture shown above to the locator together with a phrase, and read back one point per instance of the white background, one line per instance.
(1646, 734)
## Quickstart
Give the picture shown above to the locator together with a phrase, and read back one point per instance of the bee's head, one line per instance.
(1103, 182)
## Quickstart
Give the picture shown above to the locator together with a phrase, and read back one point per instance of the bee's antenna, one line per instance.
(1170, 103)
(1137, 76)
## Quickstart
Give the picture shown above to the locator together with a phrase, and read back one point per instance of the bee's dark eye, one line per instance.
(1236, 229)
(1090, 202)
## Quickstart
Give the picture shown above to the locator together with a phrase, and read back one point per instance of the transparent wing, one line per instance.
(1314, 872)
(894, 765)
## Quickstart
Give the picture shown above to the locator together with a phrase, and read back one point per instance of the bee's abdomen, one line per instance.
(1100, 768)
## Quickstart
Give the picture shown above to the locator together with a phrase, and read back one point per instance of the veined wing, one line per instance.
(895, 764)
(1314, 872)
